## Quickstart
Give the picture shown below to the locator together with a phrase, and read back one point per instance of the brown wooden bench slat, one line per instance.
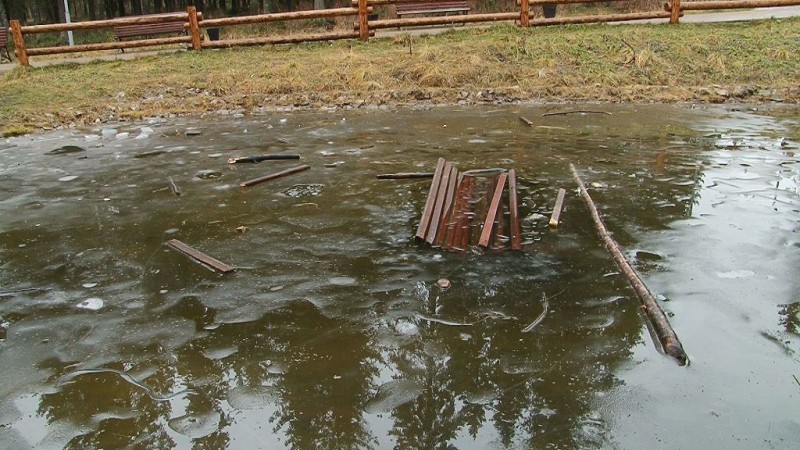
(126, 31)
(442, 7)
(4, 43)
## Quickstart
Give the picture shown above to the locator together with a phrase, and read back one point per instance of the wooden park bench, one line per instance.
(4, 43)
(122, 32)
(432, 8)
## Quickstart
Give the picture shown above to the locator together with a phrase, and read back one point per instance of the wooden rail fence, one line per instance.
(363, 29)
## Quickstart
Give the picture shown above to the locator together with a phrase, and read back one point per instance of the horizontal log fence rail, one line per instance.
(18, 32)
(281, 17)
(363, 29)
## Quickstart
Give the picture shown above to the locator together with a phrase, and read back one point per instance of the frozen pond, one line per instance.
(332, 333)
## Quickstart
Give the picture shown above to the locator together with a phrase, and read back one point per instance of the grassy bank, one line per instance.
(749, 62)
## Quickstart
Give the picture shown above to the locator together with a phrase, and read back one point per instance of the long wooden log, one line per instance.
(736, 4)
(108, 46)
(491, 215)
(513, 206)
(555, 218)
(95, 24)
(294, 39)
(404, 175)
(600, 18)
(666, 335)
(200, 257)
(19, 42)
(275, 175)
(279, 17)
(442, 20)
(560, 2)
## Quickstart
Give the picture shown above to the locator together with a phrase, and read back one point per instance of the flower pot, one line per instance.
(549, 10)
(213, 34)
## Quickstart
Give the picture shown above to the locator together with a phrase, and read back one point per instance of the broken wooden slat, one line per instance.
(259, 158)
(436, 218)
(430, 202)
(458, 211)
(273, 176)
(500, 228)
(513, 206)
(455, 179)
(488, 224)
(174, 187)
(556, 217)
(465, 226)
(404, 175)
(200, 257)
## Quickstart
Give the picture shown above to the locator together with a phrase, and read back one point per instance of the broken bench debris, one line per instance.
(199, 256)
(259, 158)
(464, 208)
(275, 175)
(404, 175)
(555, 218)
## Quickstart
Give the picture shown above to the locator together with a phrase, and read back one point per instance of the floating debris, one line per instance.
(67, 149)
(149, 153)
(200, 257)
(304, 190)
(556, 217)
(404, 175)
(92, 304)
(208, 174)
(173, 186)
(273, 176)
(193, 132)
(259, 158)
(68, 178)
(444, 284)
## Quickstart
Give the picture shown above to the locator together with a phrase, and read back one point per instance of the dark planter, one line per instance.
(549, 10)
(372, 17)
(213, 34)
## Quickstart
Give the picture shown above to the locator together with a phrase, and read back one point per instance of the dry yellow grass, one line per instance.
(631, 63)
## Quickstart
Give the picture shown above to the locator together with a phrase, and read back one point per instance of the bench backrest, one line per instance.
(3, 36)
(433, 6)
(152, 28)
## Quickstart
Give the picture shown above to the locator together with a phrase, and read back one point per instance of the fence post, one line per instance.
(524, 13)
(19, 42)
(675, 12)
(194, 28)
(363, 22)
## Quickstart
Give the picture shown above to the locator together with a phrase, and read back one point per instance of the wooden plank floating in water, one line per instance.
(273, 176)
(404, 175)
(200, 257)
(455, 180)
(436, 218)
(422, 229)
(259, 158)
(513, 206)
(555, 219)
(491, 215)
(526, 121)
(666, 335)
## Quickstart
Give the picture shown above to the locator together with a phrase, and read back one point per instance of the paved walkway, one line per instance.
(698, 17)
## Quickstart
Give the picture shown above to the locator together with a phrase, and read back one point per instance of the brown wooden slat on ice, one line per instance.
(500, 228)
(488, 224)
(438, 208)
(513, 206)
(199, 256)
(447, 211)
(404, 175)
(458, 209)
(465, 225)
(425, 221)
(273, 176)
(556, 217)
(455, 228)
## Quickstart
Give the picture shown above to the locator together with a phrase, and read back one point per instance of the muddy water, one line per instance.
(332, 332)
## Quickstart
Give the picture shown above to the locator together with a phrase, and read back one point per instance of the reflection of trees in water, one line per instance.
(534, 389)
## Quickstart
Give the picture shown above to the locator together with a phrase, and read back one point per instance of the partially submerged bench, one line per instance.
(122, 32)
(432, 8)
(4, 43)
